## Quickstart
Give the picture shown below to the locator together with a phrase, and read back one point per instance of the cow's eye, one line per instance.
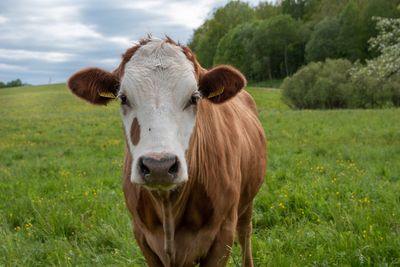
(195, 98)
(123, 99)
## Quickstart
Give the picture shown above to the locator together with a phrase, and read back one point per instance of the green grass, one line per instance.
(331, 196)
(274, 83)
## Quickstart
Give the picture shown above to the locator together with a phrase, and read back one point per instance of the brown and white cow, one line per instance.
(195, 152)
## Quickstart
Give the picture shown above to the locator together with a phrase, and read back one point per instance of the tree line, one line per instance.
(272, 41)
(13, 83)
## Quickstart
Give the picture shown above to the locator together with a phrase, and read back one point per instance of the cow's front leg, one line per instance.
(219, 253)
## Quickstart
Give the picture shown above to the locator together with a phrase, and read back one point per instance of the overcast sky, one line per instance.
(47, 40)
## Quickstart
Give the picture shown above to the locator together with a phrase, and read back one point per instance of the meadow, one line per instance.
(331, 195)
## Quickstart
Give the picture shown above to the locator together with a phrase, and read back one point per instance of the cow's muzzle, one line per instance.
(159, 169)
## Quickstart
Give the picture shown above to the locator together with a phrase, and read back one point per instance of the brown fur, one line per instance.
(226, 77)
(135, 132)
(196, 222)
(89, 83)
(227, 163)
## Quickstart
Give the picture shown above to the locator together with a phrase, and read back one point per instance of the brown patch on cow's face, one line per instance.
(135, 132)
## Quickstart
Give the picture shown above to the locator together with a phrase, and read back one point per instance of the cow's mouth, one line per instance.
(164, 187)
(161, 187)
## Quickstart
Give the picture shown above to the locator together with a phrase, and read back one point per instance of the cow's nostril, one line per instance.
(173, 170)
(144, 170)
(158, 168)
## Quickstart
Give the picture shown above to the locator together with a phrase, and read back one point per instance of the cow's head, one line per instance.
(159, 85)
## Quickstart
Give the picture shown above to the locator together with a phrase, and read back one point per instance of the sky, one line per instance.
(45, 41)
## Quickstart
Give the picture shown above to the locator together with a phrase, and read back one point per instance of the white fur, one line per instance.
(159, 81)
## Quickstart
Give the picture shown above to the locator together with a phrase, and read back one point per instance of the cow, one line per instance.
(195, 152)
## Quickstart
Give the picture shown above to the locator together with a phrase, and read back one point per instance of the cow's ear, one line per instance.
(95, 85)
(221, 83)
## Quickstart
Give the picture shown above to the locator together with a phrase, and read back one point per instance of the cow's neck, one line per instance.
(171, 201)
(168, 221)
(170, 212)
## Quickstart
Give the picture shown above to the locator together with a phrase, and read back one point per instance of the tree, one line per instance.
(265, 10)
(294, 8)
(377, 8)
(235, 48)
(378, 81)
(14, 83)
(199, 43)
(328, 9)
(350, 40)
(205, 39)
(276, 44)
(387, 43)
(323, 41)
(311, 8)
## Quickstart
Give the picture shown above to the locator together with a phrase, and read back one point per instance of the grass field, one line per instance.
(331, 196)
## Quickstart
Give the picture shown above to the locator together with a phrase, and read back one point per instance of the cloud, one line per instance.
(3, 20)
(107, 62)
(183, 13)
(53, 26)
(43, 38)
(12, 54)
(9, 67)
(121, 40)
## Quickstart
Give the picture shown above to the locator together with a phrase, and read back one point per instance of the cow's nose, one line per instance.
(158, 168)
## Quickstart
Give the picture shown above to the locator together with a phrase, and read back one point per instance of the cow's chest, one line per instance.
(190, 246)
(195, 227)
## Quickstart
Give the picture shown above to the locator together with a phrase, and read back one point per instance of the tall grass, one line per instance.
(331, 196)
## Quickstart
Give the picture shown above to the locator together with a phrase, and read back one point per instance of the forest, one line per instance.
(272, 41)
(329, 54)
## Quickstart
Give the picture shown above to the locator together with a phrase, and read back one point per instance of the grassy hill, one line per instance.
(331, 196)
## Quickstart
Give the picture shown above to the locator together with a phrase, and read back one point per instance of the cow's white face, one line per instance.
(158, 88)
(158, 95)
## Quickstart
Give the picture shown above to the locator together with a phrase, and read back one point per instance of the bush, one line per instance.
(339, 84)
(368, 91)
(319, 85)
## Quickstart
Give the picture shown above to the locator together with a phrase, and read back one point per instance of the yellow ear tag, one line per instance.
(216, 93)
(106, 94)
